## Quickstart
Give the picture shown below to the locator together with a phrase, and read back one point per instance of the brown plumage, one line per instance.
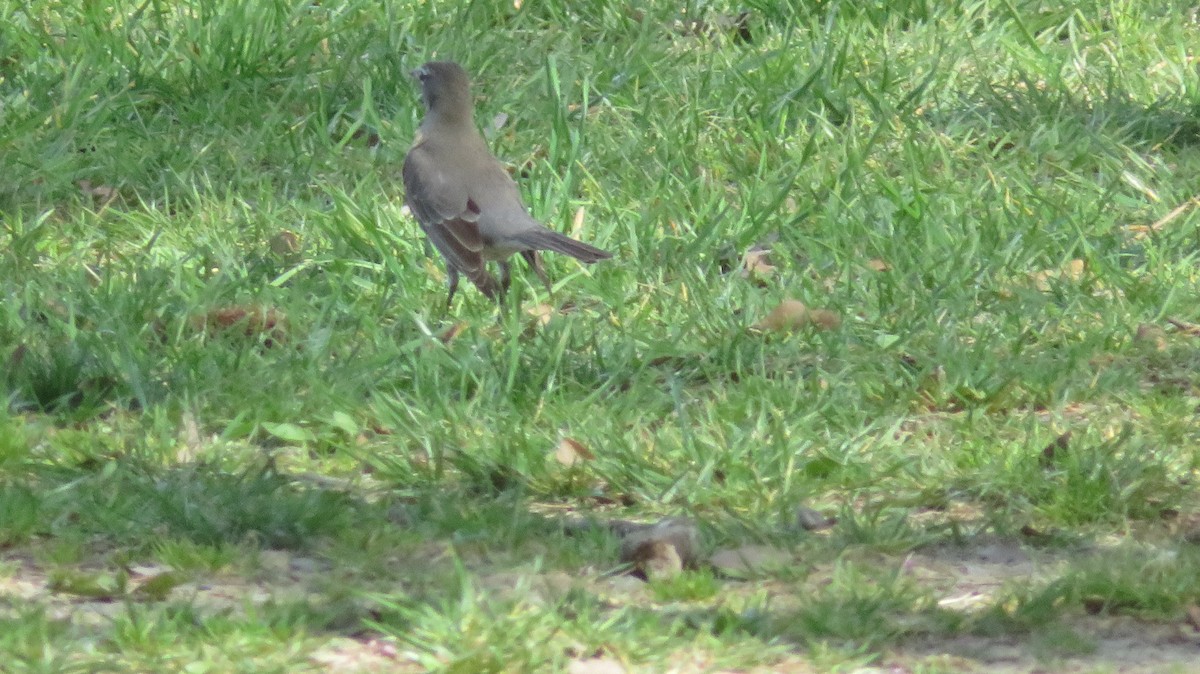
(463, 198)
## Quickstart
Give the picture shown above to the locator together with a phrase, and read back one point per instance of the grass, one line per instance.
(237, 435)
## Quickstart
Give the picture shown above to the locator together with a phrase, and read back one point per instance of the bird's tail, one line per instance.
(548, 239)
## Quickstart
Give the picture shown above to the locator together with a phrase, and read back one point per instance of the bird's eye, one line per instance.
(422, 75)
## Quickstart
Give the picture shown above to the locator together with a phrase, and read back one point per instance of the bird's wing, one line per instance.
(445, 212)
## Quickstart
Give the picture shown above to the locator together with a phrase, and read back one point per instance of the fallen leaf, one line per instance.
(252, 321)
(656, 560)
(756, 265)
(1072, 271)
(101, 193)
(285, 244)
(570, 452)
(448, 335)
(541, 314)
(825, 319)
(793, 315)
(646, 547)
(789, 315)
(577, 221)
(1150, 336)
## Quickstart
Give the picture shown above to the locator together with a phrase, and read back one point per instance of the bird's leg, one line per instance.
(505, 276)
(452, 280)
(505, 283)
(486, 284)
(535, 261)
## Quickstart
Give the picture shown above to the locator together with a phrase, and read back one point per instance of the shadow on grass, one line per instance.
(448, 577)
(132, 506)
(1011, 111)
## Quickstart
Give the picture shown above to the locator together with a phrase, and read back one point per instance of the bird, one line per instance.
(463, 198)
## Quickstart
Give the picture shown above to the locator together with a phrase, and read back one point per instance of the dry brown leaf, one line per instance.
(1041, 279)
(644, 546)
(451, 332)
(285, 243)
(789, 315)
(540, 316)
(756, 265)
(570, 452)
(794, 315)
(101, 193)
(577, 221)
(1150, 336)
(251, 320)
(825, 319)
(657, 560)
(1073, 271)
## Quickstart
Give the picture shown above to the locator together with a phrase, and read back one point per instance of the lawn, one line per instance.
(901, 340)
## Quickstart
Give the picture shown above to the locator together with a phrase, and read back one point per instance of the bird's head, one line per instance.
(446, 89)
